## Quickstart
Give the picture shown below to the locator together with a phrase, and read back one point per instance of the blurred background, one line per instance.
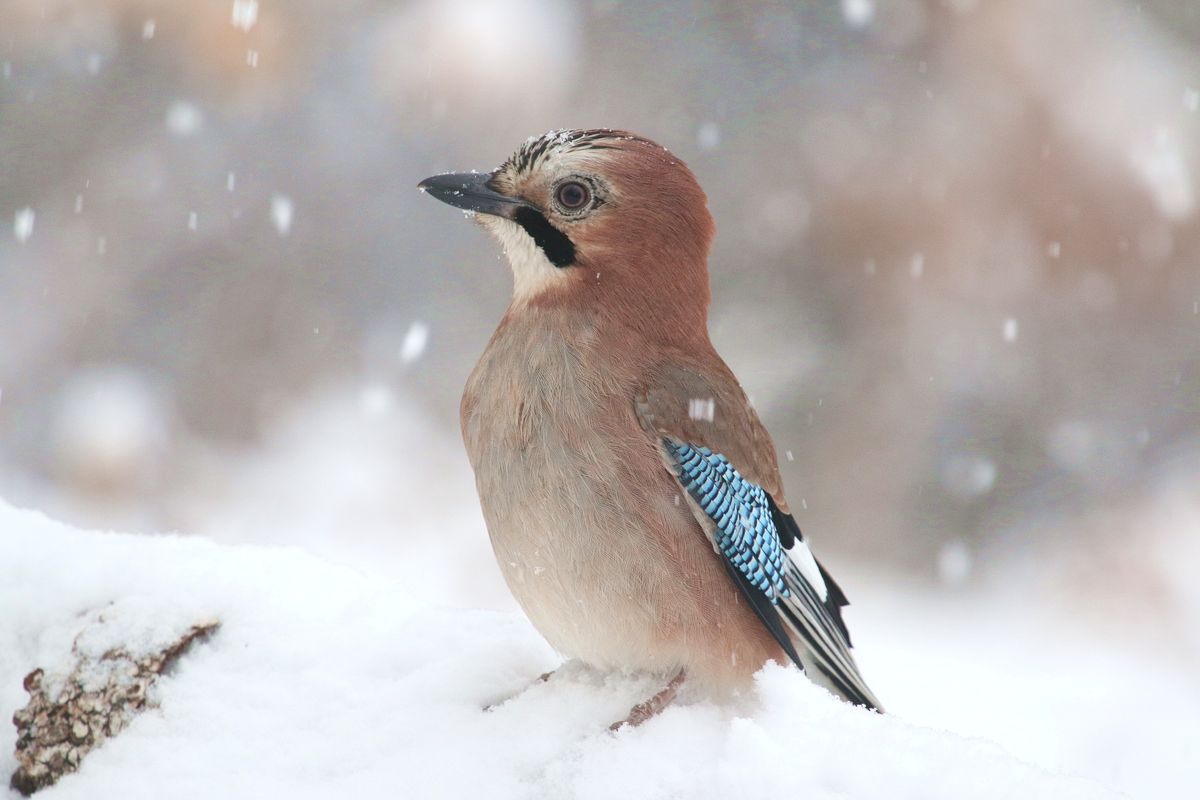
(957, 268)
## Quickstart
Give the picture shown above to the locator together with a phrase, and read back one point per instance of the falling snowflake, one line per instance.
(954, 562)
(245, 14)
(184, 118)
(414, 342)
(1010, 330)
(702, 409)
(281, 213)
(708, 136)
(858, 13)
(23, 224)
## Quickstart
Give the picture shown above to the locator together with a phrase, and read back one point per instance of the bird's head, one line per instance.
(593, 217)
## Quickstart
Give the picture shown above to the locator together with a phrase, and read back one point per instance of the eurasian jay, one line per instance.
(631, 493)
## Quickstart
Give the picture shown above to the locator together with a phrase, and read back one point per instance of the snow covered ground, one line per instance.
(365, 626)
(324, 682)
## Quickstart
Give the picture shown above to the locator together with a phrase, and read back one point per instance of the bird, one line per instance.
(631, 493)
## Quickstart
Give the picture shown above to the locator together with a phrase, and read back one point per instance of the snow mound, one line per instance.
(324, 682)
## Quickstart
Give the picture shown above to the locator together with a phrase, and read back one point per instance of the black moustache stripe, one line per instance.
(554, 243)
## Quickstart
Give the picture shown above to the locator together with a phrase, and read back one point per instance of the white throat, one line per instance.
(532, 271)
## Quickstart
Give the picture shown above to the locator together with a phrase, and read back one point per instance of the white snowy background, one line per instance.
(956, 268)
(364, 629)
(325, 680)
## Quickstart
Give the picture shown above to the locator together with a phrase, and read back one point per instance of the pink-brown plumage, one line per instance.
(591, 531)
(595, 363)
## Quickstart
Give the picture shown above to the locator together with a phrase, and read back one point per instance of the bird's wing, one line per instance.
(714, 444)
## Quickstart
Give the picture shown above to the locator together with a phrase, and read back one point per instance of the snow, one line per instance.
(244, 15)
(1162, 166)
(282, 211)
(455, 45)
(954, 562)
(326, 681)
(415, 341)
(702, 409)
(1026, 652)
(708, 136)
(1067, 691)
(184, 118)
(858, 13)
(23, 224)
(1010, 330)
(138, 625)
(110, 424)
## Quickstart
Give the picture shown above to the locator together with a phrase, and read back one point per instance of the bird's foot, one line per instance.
(652, 707)
(545, 676)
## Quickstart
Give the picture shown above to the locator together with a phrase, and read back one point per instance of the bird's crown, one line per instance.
(592, 212)
(536, 149)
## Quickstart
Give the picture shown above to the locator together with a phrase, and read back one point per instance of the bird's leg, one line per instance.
(545, 676)
(652, 707)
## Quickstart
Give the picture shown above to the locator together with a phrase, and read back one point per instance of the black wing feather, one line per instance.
(766, 611)
(789, 534)
(785, 526)
(752, 536)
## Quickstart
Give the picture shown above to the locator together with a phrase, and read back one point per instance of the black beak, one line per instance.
(469, 191)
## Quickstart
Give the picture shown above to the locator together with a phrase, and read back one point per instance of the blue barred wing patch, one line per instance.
(745, 531)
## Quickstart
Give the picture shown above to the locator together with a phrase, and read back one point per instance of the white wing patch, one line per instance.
(802, 557)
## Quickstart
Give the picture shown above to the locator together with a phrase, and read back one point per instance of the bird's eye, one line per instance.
(573, 195)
